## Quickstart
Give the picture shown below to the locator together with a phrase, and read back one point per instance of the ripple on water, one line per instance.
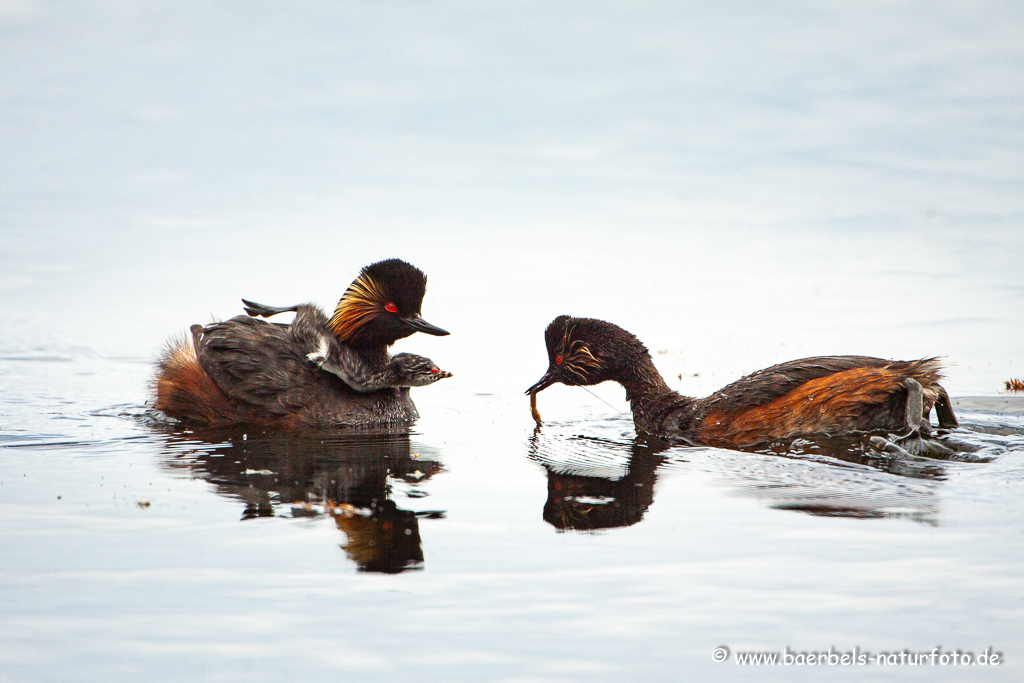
(600, 476)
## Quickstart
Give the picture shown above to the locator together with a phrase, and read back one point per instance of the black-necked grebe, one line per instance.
(829, 395)
(315, 371)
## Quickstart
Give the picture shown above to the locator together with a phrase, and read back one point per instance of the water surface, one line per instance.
(737, 185)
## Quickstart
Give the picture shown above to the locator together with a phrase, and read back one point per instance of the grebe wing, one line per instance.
(764, 386)
(254, 362)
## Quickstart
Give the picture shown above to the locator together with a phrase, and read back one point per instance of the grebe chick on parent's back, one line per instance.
(316, 371)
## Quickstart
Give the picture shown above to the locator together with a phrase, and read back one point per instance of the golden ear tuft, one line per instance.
(581, 355)
(579, 358)
(361, 302)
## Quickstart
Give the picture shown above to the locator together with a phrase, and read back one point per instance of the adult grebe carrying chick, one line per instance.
(825, 396)
(316, 371)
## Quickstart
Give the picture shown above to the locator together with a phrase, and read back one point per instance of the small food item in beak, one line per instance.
(533, 408)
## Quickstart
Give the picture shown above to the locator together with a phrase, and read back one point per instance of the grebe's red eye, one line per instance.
(390, 307)
(434, 371)
(558, 360)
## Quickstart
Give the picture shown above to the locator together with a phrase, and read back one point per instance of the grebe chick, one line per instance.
(311, 334)
(825, 396)
(410, 370)
(315, 371)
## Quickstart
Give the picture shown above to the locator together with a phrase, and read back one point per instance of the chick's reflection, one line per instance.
(349, 478)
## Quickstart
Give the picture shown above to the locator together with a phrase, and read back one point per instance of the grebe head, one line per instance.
(585, 351)
(416, 371)
(382, 305)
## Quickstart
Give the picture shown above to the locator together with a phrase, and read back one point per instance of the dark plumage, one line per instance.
(829, 395)
(393, 287)
(587, 502)
(313, 372)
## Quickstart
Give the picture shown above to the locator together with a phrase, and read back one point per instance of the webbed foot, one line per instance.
(914, 420)
(944, 411)
(256, 310)
(887, 446)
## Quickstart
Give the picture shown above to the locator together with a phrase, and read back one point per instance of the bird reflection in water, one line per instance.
(602, 483)
(349, 478)
(586, 503)
(589, 491)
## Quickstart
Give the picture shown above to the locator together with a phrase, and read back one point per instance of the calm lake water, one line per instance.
(737, 185)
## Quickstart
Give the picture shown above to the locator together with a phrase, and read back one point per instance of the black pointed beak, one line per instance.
(418, 324)
(549, 378)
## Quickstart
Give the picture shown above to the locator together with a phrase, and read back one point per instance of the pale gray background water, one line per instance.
(736, 184)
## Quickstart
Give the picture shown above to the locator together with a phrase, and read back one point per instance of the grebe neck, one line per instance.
(650, 398)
